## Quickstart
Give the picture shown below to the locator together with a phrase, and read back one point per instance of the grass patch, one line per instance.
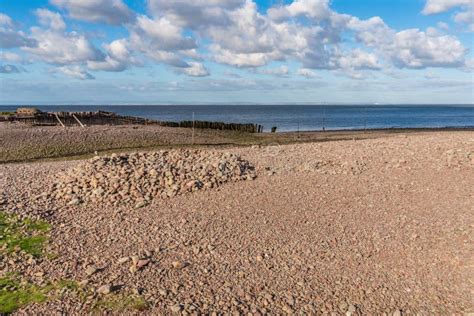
(25, 235)
(14, 294)
(120, 303)
(7, 113)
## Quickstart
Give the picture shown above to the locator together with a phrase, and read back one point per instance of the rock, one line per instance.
(176, 308)
(83, 283)
(135, 259)
(140, 204)
(74, 202)
(91, 270)
(142, 263)
(123, 260)
(151, 175)
(179, 264)
(104, 289)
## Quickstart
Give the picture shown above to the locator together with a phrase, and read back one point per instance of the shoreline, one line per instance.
(21, 143)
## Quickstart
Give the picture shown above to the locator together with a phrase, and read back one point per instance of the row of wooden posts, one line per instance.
(109, 118)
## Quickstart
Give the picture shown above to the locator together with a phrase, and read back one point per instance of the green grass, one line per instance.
(30, 236)
(7, 113)
(14, 294)
(24, 235)
(121, 303)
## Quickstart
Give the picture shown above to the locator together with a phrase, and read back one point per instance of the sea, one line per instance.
(295, 117)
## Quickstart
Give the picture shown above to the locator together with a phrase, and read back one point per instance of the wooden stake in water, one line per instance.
(193, 129)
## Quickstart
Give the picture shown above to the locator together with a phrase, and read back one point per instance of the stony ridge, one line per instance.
(138, 178)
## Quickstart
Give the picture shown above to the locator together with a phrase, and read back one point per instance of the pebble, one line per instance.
(176, 308)
(91, 270)
(142, 263)
(104, 289)
(123, 260)
(161, 174)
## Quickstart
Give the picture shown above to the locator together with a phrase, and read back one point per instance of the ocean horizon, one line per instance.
(295, 117)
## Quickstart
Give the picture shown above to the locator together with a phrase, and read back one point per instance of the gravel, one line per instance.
(380, 226)
(138, 178)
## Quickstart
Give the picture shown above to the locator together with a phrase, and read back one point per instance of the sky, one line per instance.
(236, 52)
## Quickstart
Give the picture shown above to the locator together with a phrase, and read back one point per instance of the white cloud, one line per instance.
(118, 57)
(10, 37)
(316, 9)
(9, 69)
(5, 20)
(75, 72)
(194, 14)
(281, 71)
(305, 72)
(52, 20)
(62, 48)
(55, 46)
(465, 17)
(439, 6)
(416, 49)
(184, 35)
(10, 57)
(194, 70)
(109, 11)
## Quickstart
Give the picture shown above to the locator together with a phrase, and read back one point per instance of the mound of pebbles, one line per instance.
(137, 178)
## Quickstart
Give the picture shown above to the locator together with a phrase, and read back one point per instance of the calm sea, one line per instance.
(297, 117)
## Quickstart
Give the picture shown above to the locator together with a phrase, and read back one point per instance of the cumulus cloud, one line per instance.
(113, 12)
(5, 20)
(55, 46)
(76, 72)
(10, 57)
(416, 49)
(281, 71)
(194, 69)
(439, 6)
(316, 9)
(52, 20)
(410, 48)
(305, 72)
(119, 57)
(185, 35)
(466, 16)
(9, 69)
(10, 37)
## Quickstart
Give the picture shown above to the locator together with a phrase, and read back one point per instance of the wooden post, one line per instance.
(74, 116)
(193, 129)
(57, 117)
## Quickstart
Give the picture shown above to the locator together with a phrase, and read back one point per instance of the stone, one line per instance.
(140, 204)
(74, 202)
(135, 259)
(142, 263)
(123, 260)
(176, 308)
(91, 270)
(104, 289)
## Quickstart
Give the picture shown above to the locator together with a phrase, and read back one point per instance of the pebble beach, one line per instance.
(374, 226)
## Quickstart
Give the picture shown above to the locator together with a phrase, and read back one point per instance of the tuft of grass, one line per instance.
(120, 303)
(26, 235)
(14, 294)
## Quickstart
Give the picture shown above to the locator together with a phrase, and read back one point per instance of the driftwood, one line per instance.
(109, 118)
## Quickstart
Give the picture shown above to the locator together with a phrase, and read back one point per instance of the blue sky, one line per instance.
(236, 51)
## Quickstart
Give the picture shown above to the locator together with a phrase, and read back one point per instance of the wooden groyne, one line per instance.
(35, 117)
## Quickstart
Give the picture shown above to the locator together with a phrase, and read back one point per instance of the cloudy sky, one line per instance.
(236, 51)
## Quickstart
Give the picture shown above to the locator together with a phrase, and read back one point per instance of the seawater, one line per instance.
(297, 117)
